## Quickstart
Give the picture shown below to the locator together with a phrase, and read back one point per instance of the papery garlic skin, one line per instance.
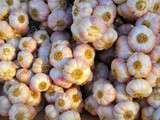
(25, 58)
(119, 70)
(75, 96)
(85, 52)
(7, 70)
(34, 99)
(54, 4)
(119, 1)
(38, 10)
(147, 113)
(40, 36)
(13, 4)
(53, 93)
(4, 9)
(101, 94)
(21, 111)
(24, 75)
(59, 19)
(126, 110)
(5, 105)
(63, 103)
(121, 94)
(77, 71)
(139, 88)
(7, 52)
(27, 43)
(139, 65)
(156, 115)
(58, 78)
(40, 82)
(59, 56)
(141, 39)
(105, 112)
(81, 10)
(70, 115)
(14, 42)
(106, 12)
(155, 56)
(18, 93)
(124, 29)
(122, 48)
(91, 105)
(154, 98)
(19, 21)
(51, 112)
(6, 32)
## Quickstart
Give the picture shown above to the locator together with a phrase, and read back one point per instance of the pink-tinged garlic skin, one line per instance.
(155, 54)
(91, 105)
(13, 4)
(27, 43)
(24, 75)
(7, 70)
(19, 21)
(25, 58)
(156, 114)
(58, 78)
(101, 71)
(150, 20)
(4, 9)
(5, 105)
(124, 11)
(59, 19)
(139, 88)
(93, 3)
(126, 110)
(124, 29)
(81, 10)
(85, 52)
(19, 93)
(54, 4)
(40, 36)
(53, 93)
(138, 7)
(8, 84)
(106, 12)
(122, 95)
(91, 29)
(6, 32)
(63, 103)
(40, 82)
(107, 40)
(119, 1)
(105, 112)
(141, 39)
(105, 2)
(75, 97)
(154, 98)
(21, 111)
(119, 70)
(60, 35)
(7, 52)
(51, 113)
(101, 94)
(77, 71)
(70, 115)
(139, 65)
(34, 99)
(60, 55)
(38, 10)
(14, 42)
(154, 76)
(44, 51)
(146, 113)
(122, 48)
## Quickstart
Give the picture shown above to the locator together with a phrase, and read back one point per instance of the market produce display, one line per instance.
(66, 58)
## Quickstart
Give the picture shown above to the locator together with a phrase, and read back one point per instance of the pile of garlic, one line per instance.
(64, 58)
